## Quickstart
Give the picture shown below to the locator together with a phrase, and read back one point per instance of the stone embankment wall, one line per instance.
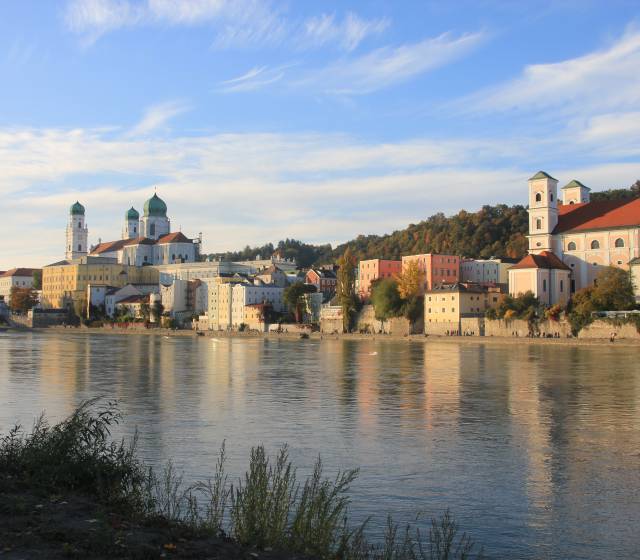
(290, 328)
(604, 329)
(398, 326)
(520, 328)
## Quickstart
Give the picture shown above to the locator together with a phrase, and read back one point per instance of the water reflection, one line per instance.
(534, 448)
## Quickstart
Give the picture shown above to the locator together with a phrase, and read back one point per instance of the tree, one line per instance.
(293, 298)
(410, 281)
(386, 299)
(157, 309)
(613, 292)
(145, 311)
(346, 289)
(22, 299)
(37, 279)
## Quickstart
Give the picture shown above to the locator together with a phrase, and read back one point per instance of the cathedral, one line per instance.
(145, 240)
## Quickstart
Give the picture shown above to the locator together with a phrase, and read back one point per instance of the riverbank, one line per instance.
(69, 491)
(418, 338)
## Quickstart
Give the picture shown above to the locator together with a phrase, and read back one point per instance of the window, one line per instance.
(561, 286)
(619, 242)
(538, 197)
(79, 247)
(538, 244)
(595, 244)
(79, 225)
(538, 223)
(571, 246)
(152, 229)
(544, 285)
(551, 197)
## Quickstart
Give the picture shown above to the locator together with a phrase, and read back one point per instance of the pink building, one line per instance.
(374, 269)
(436, 269)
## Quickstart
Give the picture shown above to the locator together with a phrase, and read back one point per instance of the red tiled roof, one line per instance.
(19, 272)
(176, 237)
(108, 247)
(543, 260)
(604, 214)
(133, 299)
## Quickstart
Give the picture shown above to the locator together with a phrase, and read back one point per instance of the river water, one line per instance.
(534, 448)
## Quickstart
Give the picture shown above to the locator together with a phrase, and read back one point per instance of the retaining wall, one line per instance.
(604, 329)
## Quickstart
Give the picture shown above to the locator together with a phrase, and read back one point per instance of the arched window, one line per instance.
(595, 244)
(551, 197)
(79, 247)
(571, 246)
(619, 242)
(152, 229)
(538, 223)
(572, 202)
(538, 197)
(79, 225)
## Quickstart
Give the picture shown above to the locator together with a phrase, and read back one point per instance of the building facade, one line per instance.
(375, 269)
(435, 269)
(77, 233)
(66, 282)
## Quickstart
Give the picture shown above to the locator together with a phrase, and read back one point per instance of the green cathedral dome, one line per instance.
(155, 206)
(77, 209)
(132, 214)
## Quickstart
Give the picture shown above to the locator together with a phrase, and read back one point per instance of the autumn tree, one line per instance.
(37, 279)
(293, 297)
(410, 280)
(346, 289)
(22, 299)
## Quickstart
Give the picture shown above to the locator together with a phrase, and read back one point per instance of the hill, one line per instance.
(498, 231)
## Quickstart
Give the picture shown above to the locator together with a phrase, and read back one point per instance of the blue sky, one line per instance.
(259, 120)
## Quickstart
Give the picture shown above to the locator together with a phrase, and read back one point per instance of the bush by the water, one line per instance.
(267, 508)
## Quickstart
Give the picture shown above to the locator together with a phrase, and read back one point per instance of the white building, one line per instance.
(144, 241)
(486, 271)
(15, 278)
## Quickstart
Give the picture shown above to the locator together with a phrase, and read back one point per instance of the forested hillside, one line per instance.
(498, 231)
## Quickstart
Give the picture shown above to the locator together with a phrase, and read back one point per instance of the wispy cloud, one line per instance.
(386, 66)
(600, 81)
(254, 79)
(348, 33)
(236, 23)
(158, 116)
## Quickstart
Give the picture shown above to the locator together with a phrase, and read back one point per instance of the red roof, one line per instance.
(133, 299)
(19, 272)
(543, 260)
(176, 237)
(604, 214)
(109, 246)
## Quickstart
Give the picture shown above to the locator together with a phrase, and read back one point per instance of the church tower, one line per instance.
(154, 223)
(543, 212)
(131, 224)
(77, 233)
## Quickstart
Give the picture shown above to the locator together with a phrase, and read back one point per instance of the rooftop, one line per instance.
(604, 214)
(545, 259)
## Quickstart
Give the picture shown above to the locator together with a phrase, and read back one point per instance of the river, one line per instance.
(534, 448)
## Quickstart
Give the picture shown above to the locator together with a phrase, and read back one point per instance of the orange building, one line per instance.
(374, 269)
(436, 269)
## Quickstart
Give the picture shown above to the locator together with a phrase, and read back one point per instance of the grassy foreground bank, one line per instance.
(70, 491)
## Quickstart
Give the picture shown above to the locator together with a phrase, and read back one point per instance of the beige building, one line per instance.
(446, 305)
(543, 274)
(586, 236)
(66, 281)
(232, 304)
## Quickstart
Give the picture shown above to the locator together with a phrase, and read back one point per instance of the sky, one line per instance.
(261, 120)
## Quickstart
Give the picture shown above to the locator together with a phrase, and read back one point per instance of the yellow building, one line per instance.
(66, 281)
(445, 306)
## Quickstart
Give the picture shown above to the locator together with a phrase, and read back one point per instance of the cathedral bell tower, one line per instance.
(543, 212)
(77, 233)
(131, 228)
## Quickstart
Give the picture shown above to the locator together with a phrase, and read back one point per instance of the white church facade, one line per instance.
(145, 240)
(571, 239)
